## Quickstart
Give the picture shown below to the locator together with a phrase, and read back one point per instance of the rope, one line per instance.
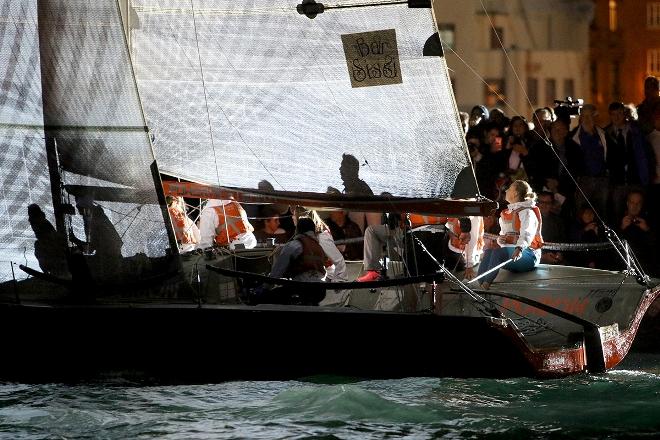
(515, 73)
(478, 300)
(584, 247)
(206, 99)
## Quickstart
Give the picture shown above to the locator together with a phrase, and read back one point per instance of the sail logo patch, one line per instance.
(372, 58)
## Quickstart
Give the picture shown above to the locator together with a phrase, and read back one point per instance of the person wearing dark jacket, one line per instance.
(301, 259)
(647, 106)
(593, 146)
(629, 159)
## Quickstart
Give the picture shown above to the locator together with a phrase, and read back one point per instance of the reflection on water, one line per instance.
(622, 403)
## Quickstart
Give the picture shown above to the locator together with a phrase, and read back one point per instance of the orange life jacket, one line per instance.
(182, 226)
(417, 220)
(513, 218)
(454, 229)
(312, 258)
(232, 222)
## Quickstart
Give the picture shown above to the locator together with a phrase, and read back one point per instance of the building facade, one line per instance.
(624, 49)
(545, 56)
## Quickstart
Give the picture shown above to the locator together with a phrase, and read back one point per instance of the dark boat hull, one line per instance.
(177, 342)
(188, 344)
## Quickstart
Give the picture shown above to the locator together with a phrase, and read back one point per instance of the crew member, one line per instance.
(376, 237)
(225, 223)
(465, 243)
(335, 265)
(520, 235)
(185, 230)
(464, 240)
(301, 259)
(270, 228)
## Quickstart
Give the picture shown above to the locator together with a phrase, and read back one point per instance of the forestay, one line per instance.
(237, 92)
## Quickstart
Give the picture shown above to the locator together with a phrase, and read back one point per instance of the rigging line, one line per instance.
(500, 97)
(631, 260)
(573, 179)
(546, 326)
(515, 72)
(223, 113)
(222, 110)
(206, 100)
(126, 214)
(130, 224)
(240, 135)
(472, 294)
(352, 128)
(462, 138)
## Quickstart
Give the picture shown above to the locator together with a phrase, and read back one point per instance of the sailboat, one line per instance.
(223, 95)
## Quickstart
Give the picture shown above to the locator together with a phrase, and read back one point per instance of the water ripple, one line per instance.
(622, 404)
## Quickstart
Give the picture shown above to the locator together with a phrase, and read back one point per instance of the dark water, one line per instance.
(621, 404)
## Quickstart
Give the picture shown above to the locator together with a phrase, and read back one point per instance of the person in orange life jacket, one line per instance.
(185, 230)
(520, 234)
(465, 244)
(225, 223)
(302, 259)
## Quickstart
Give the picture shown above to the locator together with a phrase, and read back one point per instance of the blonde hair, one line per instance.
(524, 191)
(301, 211)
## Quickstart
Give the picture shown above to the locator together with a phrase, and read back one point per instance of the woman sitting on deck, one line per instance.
(520, 235)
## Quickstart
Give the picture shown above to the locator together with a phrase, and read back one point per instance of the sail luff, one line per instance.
(155, 173)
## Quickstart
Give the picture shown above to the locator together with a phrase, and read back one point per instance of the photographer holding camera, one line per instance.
(636, 230)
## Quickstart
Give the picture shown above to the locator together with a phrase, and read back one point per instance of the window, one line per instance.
(496, 35)
(614, 19)
(615, 89)
(494, 92)
(653, 15)
(593, 74)
(653, 62)
(550, 90)
(569, 87)
(533, 90)
(447, 32)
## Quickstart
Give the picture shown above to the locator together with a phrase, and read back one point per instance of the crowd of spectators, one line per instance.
(590, 172)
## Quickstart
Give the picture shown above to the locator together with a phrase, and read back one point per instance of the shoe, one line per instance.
(371, 275)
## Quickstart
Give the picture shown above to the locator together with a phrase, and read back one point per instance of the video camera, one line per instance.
(567, 109)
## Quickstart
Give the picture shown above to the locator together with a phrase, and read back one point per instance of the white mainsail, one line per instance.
(239, 92)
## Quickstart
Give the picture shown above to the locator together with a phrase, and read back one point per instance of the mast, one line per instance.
(46, 34)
